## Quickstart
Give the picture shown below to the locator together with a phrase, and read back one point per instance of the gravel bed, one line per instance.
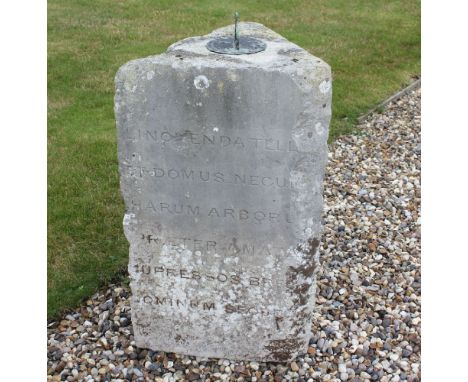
(367, 322)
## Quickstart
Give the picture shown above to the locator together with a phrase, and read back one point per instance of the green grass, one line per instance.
(372, 46)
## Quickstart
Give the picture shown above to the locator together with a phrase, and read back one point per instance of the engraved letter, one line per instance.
(187, 175)
(264, 181)
(161, 301)
(193, 210)
(165, 206)
(173, 174)
(238, 141)
(219, 177)
(243, 214)
(197, 245)
(225, 141)
(229, 211)
(208, 305)
(235, 279)
(158, 172)
(254, 281)
(183, 274)
(213, 211)
(151, 134)
(136, 206)
(254, 180)
(206, 139)
(150, 206)
(239, 178)
(207, 176)
(210, 244)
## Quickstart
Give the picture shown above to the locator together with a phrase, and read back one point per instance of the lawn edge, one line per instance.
(412, 86)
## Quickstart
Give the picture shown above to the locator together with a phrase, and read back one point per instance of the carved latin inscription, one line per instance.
(168, 139)
(206, 176)
(241, 215)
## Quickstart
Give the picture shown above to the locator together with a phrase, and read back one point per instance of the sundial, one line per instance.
(236, 44)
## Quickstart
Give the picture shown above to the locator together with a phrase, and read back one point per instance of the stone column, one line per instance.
(222, 160)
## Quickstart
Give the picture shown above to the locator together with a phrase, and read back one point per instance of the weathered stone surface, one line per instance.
(221, 162)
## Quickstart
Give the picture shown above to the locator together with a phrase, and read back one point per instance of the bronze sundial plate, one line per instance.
(226, 45)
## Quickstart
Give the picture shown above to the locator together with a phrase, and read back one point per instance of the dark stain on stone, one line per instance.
(283, 350)
(300, 290)
(308, 268)
(234, 244)
(290, 51)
